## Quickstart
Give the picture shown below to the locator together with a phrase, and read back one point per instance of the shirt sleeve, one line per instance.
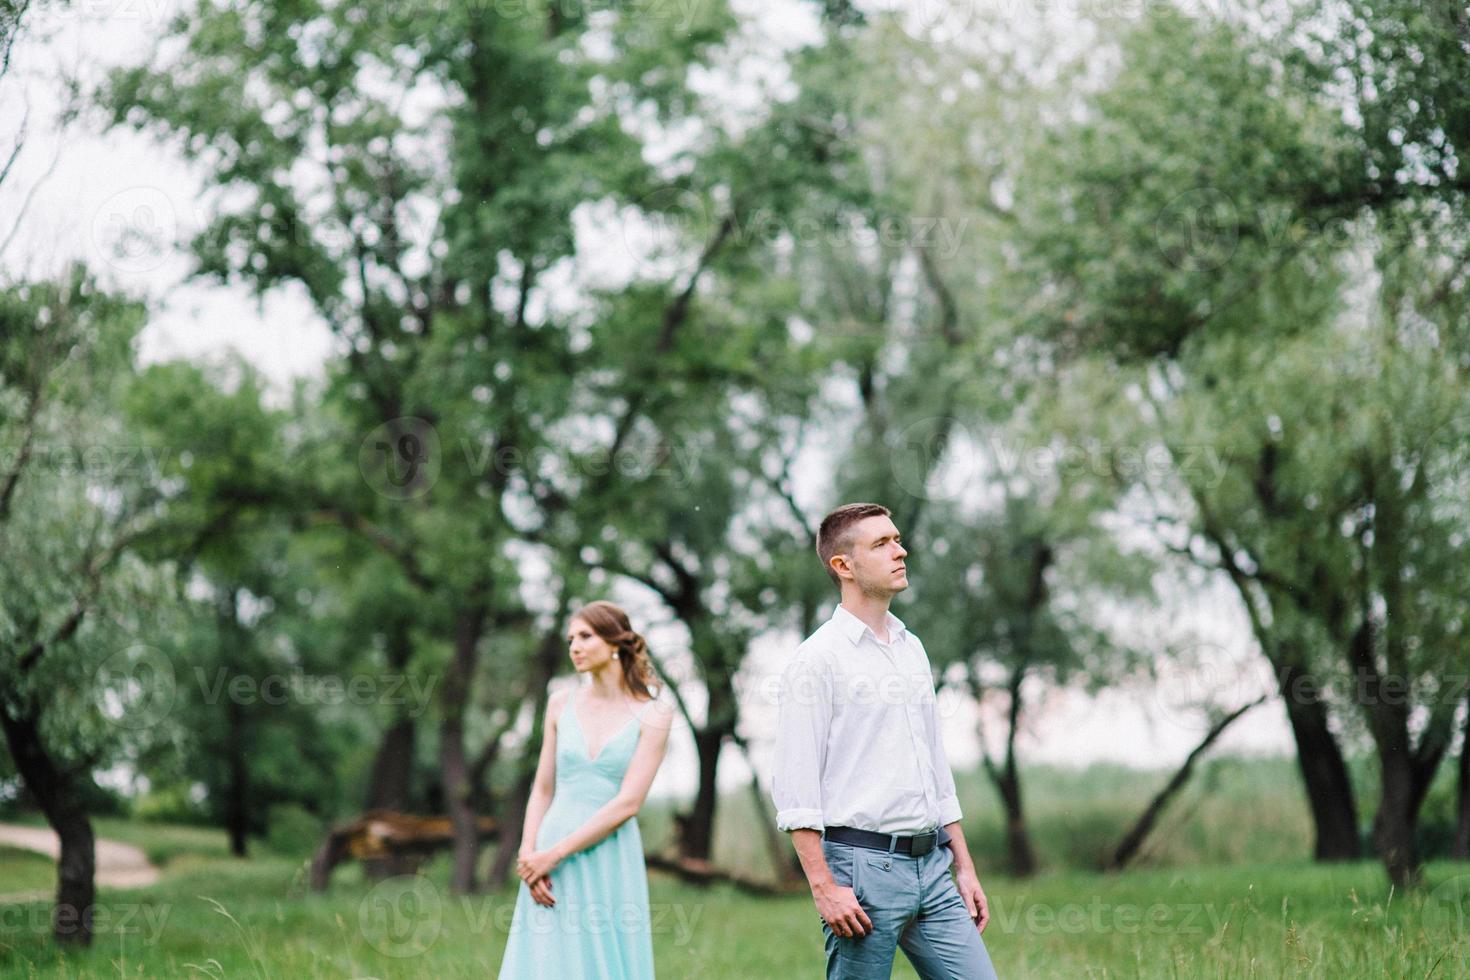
(949, 802)
(805, 717)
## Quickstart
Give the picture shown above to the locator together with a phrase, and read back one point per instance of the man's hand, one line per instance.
(839, 908)
(974, 896)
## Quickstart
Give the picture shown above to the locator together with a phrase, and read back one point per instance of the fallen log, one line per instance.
(700, 872)
(1132, 841)
(394, 842)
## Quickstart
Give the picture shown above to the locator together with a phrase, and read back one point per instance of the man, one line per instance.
(861, 779)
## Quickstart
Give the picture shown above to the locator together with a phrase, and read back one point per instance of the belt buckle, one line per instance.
(922, 844)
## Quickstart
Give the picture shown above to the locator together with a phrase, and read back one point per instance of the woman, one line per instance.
(582, 908)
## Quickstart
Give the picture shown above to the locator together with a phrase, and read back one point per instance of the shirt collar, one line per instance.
(853, 628)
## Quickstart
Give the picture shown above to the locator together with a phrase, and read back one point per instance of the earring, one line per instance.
(615, 654)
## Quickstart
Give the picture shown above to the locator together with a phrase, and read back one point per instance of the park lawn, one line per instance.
(1235, 810)
(167, 845)
(162, 842)
(25, 871)
(218, 917)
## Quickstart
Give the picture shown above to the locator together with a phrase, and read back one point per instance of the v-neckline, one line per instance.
(582, 730)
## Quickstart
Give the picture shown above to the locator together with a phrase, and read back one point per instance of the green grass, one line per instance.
(167, 845)
(25, 871)
(163, 843)
(1234, 810)
(1224, 891)
(224, 918)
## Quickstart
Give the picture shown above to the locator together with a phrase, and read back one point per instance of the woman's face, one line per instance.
(588, 650)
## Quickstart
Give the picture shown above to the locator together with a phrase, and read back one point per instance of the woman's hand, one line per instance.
(537, 864)
(541, 893)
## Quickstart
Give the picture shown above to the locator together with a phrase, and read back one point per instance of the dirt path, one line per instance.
(118, 865)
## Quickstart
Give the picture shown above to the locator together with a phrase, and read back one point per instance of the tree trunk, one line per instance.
(57, 793)
(1324, 771)
(1020, 855)
(513, 820)
(1404, 776)
(1460, 849)
(548, 658)
(697, 828)
(390, 787)
(1382, 696)
(1008, 778)
(237, 806)
(1133, 840)
(784, 861)
(1394, 836)
(453, 760)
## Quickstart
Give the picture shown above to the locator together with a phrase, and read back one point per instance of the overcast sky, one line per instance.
(118, 200)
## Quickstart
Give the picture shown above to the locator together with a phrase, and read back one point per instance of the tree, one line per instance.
(705, 374)
(1225, 273)
(272, 679)
(418, 177)
(72, 516)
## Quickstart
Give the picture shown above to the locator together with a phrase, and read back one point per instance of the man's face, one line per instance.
(877, 558)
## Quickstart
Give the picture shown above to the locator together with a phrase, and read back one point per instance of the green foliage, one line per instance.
(1198, 196)
(1312, 336)
(294, 831)
(172, 804)
(77, 492)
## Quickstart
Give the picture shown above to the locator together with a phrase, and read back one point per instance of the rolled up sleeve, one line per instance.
(949, 802)
(805, 716)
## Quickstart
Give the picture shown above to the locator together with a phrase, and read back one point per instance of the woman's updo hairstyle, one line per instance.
(611, 623)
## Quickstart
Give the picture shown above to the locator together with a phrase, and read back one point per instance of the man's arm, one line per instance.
(837, 904)
(803, 722)
(965, 878)
(949, 802)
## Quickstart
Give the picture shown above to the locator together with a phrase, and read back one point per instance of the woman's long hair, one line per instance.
(611, 623)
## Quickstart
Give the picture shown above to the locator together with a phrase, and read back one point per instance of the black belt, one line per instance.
(915, 846)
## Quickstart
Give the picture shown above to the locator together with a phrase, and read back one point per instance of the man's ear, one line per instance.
(840, 564)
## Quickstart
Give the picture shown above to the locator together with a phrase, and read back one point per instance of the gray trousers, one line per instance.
(913, 904)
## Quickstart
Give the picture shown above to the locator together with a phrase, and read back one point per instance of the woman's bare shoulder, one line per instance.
(658, 710)
(556, 702)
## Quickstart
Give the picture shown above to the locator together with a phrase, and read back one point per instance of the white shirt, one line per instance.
(857, 743)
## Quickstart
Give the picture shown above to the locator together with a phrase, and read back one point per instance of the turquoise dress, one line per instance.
(599, 927)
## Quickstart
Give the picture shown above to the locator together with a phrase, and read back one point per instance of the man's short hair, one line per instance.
(835, 535)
